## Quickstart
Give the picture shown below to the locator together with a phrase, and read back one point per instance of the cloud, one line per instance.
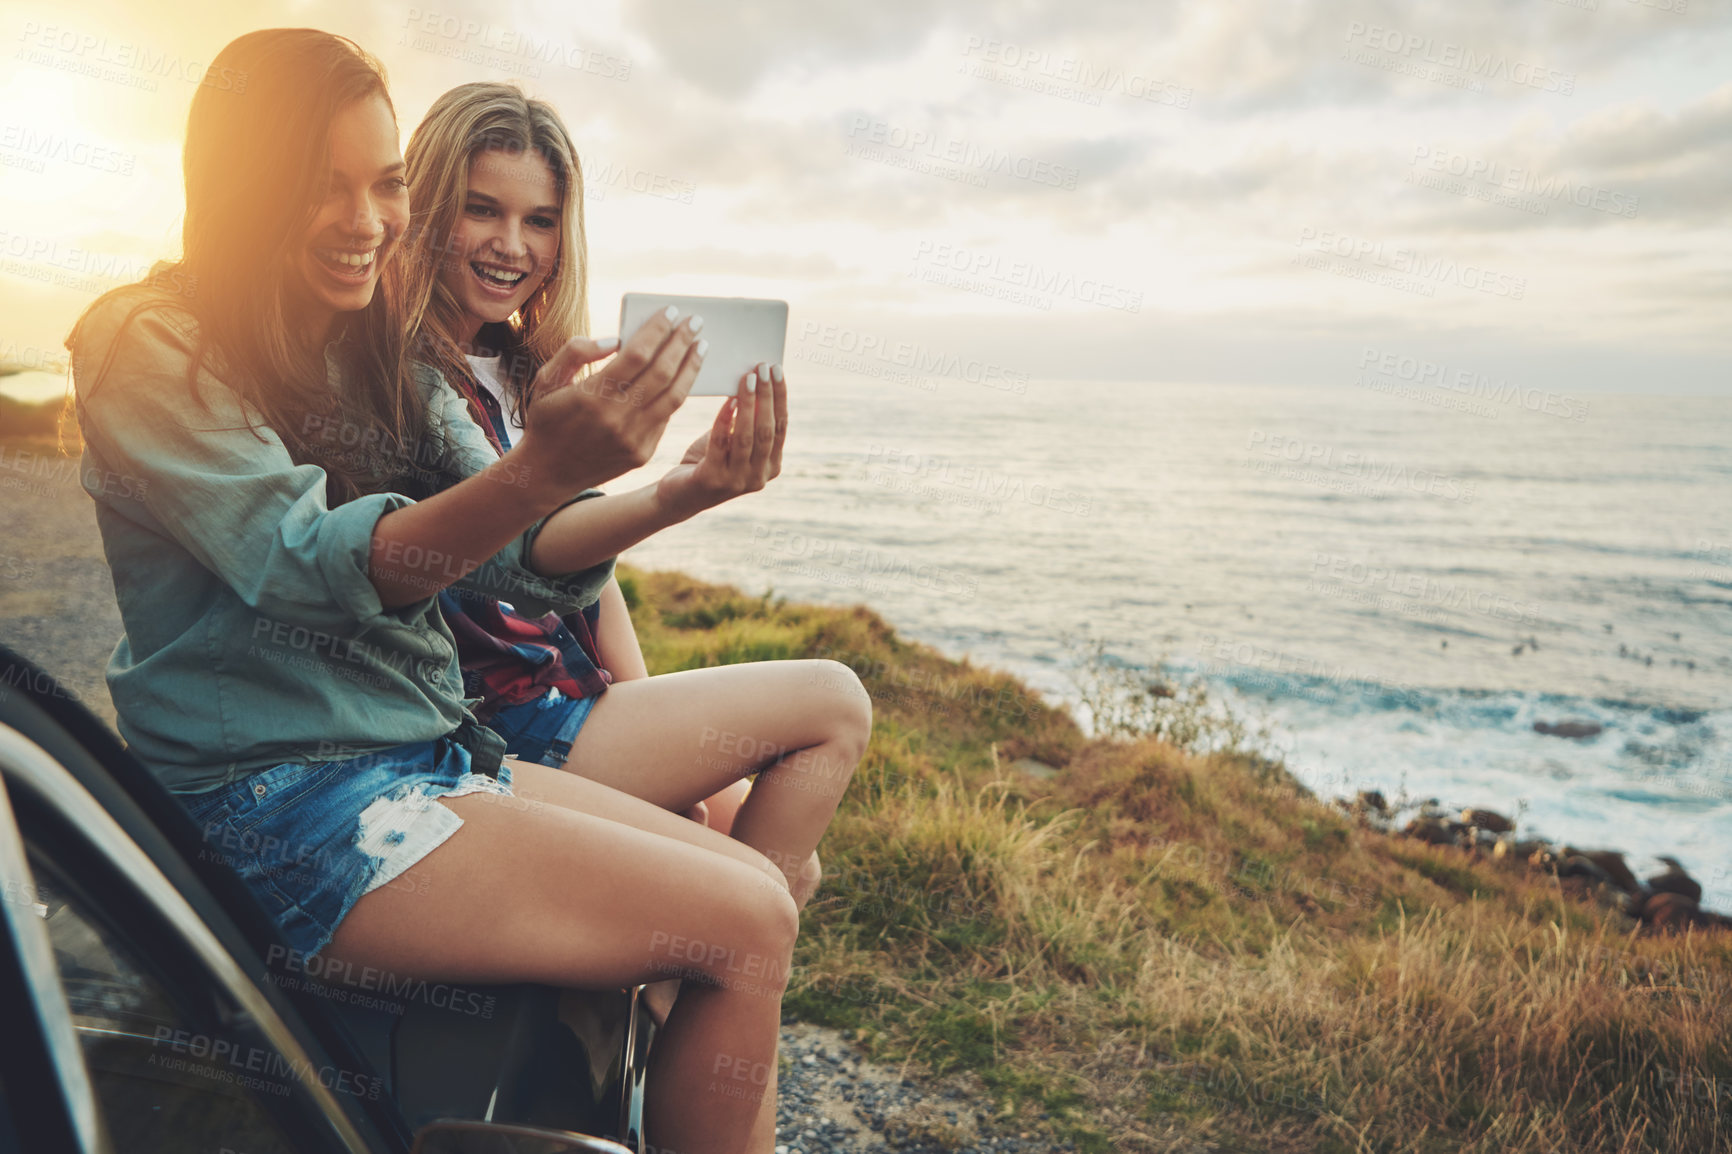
(724, 49)
(698, 261)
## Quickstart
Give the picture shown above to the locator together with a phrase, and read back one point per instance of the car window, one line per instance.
(171, 1075)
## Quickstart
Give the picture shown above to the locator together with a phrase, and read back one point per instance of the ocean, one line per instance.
(1400, 576)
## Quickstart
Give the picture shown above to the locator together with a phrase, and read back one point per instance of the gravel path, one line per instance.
(832, 1100)
(56, 599)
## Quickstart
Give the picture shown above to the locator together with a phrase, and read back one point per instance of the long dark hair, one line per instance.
(256, 163)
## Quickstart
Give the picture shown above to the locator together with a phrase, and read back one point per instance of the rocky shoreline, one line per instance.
(1663, 903)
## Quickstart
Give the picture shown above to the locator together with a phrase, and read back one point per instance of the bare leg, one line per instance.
(572, 884)
(720, 810)
(722, 805)
(676, 739)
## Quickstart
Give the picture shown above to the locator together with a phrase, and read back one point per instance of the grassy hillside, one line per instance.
(1155, 949)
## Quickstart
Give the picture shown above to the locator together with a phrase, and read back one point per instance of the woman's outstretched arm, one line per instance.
(576, 436)
(740, 454)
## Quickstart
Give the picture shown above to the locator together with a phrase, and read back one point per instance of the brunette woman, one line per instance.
(300, 495)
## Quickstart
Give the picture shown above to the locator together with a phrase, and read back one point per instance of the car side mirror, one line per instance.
(494, 1138)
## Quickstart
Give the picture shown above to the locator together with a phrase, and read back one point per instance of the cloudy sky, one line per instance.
(1118, 189)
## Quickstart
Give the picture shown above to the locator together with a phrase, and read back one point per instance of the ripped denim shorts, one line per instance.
(311, 839)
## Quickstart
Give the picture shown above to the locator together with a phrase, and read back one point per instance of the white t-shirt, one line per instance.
(486, 371)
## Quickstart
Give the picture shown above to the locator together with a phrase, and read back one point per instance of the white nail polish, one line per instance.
(607, 344)
(703, 347)
(672, 313)
(776, 374)
(696, 323)
(751, 383)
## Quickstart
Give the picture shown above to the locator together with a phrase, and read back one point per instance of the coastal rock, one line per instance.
(1575, 865)
(1676, 881)
(1434, 830)
(1369, 807)
(1568, 863)
(1573, 729)
(1487, 819)
(1031, 767)
(1670, 912)
(1612, 865)
(1372, 801)
(1511, 851)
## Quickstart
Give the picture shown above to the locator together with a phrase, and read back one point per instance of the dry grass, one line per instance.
(1156, 950)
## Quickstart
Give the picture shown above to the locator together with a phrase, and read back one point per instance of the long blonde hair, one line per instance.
(462, 126)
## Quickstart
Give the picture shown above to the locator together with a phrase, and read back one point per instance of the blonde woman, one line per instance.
(493, 284)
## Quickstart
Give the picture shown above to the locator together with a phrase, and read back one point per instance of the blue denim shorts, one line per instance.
(542, 730)
(311, 839)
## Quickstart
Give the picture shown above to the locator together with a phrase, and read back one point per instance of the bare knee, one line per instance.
(750, 947)
(771, 923)
(852, 715)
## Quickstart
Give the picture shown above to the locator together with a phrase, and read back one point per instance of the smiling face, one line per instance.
(364, 212)
(506, 239)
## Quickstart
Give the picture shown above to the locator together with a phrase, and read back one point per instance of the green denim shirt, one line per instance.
(253, 635)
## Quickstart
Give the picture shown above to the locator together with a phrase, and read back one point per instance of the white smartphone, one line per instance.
(742, 331)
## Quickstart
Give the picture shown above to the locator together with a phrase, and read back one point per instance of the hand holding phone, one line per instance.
(741, 453)
(741, 332)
